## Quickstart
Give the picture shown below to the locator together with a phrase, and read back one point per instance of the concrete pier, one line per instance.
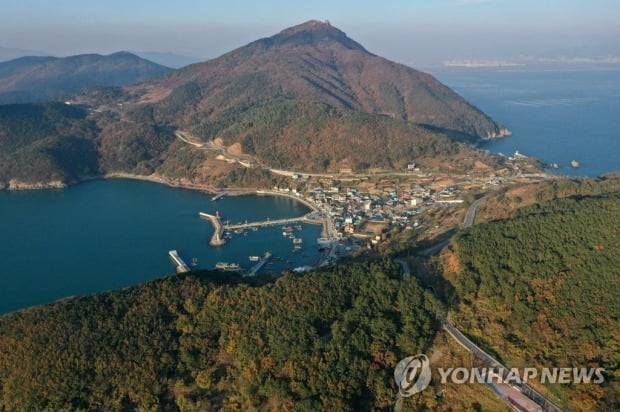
(259, 265)
(302, 219)
(181, 265)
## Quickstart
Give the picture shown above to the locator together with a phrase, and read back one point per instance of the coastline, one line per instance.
(21, 186)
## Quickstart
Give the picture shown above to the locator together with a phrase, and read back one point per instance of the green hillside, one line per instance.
(325, 341)
(543, 289)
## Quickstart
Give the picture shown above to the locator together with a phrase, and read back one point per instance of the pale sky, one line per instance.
(416, 32)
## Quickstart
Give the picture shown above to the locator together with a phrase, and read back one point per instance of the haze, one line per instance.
(415, 32)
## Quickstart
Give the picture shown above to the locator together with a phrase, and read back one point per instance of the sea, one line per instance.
(555, 115)
(110, 234)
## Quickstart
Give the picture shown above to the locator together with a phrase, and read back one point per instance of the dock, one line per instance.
(259, 265)
(218, 230)
(181, 265)
(218, 196)
(268, 222)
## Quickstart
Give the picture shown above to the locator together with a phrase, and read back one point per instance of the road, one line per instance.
(468, 220)
(246, 162)
(184, 137)
(490, 361)
(470, 215)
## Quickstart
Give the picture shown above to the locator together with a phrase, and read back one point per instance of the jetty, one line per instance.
(181, 265)
(262, 223)
(218, 230)
(259, 265)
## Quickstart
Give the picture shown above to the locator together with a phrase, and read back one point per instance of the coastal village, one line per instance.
(364, 212)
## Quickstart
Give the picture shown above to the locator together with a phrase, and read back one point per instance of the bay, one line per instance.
(109, 234)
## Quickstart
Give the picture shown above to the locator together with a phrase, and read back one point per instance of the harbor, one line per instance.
(292, 228)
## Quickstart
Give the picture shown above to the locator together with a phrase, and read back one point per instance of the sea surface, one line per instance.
(556, 116)
(110, 234)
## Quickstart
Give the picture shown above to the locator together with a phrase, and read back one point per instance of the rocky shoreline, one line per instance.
(17, 185)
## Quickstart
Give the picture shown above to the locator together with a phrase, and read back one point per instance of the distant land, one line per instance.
(40, 78)
(173, 60)
(307, 99)
(565, 62)
(8, 53)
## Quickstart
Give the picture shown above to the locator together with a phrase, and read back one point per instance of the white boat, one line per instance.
(298, 241)
(325, 241)
(228, 267)
(254, 258)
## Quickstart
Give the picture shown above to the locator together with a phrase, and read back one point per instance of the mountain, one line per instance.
(307, 99)
(311, 97)
(30, 79)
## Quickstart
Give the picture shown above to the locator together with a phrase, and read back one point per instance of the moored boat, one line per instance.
(228, 267)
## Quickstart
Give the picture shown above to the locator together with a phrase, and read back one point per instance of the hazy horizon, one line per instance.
(419, 32)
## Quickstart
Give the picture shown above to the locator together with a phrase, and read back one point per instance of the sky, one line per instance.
(415, 32)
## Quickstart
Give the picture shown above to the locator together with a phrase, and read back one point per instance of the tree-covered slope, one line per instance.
(543, 289)
(46, 143)
(325, 341)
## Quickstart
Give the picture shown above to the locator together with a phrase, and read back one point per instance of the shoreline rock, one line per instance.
(15, 184)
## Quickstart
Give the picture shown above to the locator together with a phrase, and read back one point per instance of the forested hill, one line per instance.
(325, 341)
(543, 289)
(37, 79)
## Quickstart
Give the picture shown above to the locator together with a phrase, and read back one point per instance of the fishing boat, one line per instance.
(298, 241)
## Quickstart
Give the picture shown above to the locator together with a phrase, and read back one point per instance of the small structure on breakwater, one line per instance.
(218, 230)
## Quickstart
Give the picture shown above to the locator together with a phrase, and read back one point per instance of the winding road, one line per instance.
(463, 340)
(468, 220)
(470, 215)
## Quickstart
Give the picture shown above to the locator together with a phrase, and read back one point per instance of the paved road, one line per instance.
(470, 215)
(489, 360)
(184, 137)
(468, 220)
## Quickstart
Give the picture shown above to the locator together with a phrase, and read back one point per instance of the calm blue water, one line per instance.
(556, 116)
(110, 234)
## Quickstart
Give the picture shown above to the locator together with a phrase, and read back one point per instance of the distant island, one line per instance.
(43, 78)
